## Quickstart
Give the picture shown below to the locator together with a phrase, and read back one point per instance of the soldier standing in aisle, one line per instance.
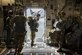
(9, 28)
(20, 31)
(33, 23)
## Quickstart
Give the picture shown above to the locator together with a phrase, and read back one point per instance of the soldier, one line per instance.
(71, 31)
(60, 25)
(33, 27)
(9, 29)
(20, 23)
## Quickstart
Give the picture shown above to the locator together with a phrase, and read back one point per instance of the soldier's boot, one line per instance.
(32, 43)
(59, 50)
(16, 52)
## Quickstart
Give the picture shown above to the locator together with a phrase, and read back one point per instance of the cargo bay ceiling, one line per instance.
(40, 2)
(22, 2)
(50, 5)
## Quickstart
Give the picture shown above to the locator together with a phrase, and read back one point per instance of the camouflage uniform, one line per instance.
(20, 23)
(71, 31)
(9, 29)
(33, 27)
